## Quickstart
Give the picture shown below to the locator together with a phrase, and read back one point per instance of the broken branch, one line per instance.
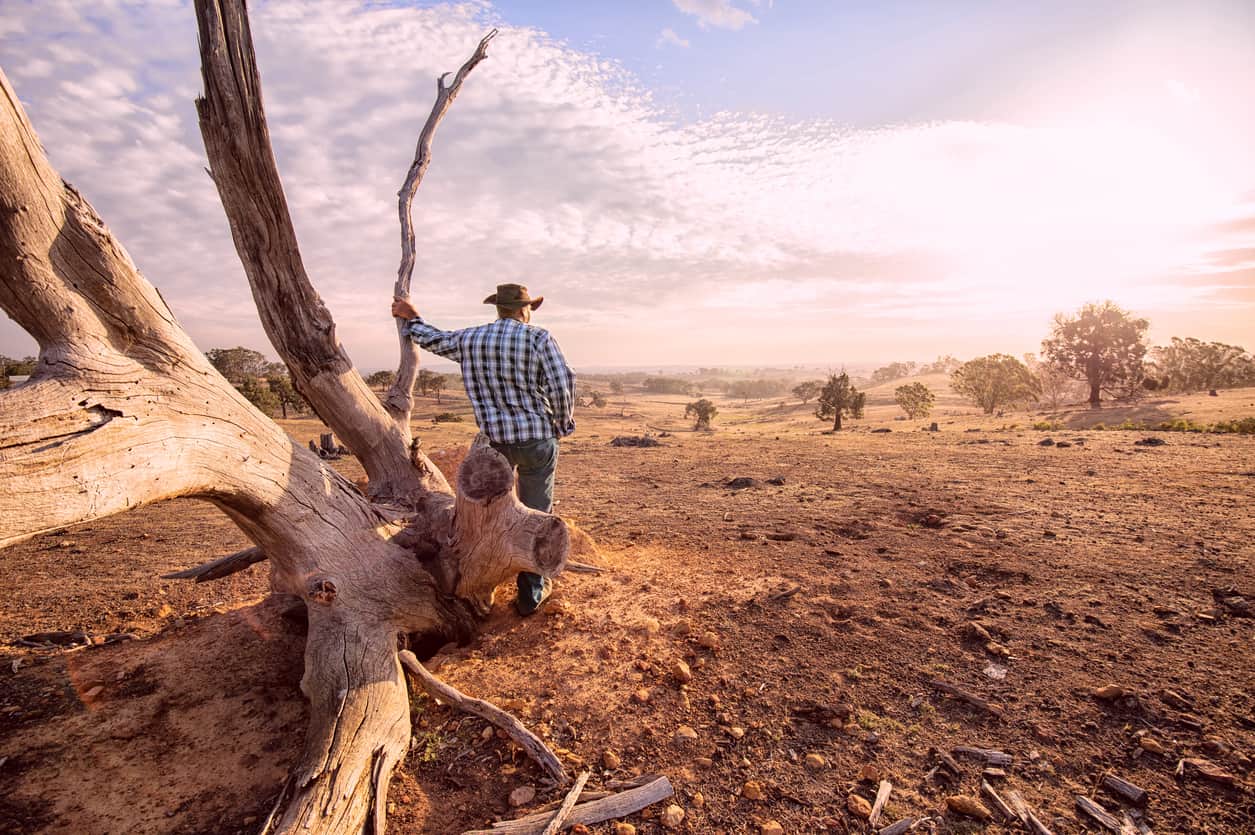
(221, 567)
(528, 741)
(615, 806)
(564, 811)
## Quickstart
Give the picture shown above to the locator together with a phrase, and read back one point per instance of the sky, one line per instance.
(705, 182)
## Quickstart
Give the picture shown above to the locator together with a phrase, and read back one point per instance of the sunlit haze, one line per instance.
(713, 182)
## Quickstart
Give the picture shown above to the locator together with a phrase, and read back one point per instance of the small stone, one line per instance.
(870, 773)
(709, 640)
(858, 806)
(752, 790)
(815, 762)
(771, 828)
(672, 817)
(611, 760)
(522, 796)
(681, 673)
(698, 799)
(622, 828)
(580, 829)
(486, 733)
(651, 626)
(1154, 746)
(735, 732)
(704, 762)
(641, 696)
(995, 648)
(969, 806)
(1109, 692)
(684, 735)
(94, 692)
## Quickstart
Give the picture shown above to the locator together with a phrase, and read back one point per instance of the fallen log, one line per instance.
(564, 811)
(1098, 814)
(970, 698)
(1026, 814)
(448, 694)
(1124, 790)
(996, 800)
(221, 567)
(882, 797)
(616, 806)
(990, 756)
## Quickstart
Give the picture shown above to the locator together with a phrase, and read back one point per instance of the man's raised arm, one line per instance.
(447, 344)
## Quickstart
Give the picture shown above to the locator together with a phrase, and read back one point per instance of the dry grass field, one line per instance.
(813, 606)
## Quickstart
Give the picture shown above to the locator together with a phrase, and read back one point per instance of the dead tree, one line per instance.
(123, 410)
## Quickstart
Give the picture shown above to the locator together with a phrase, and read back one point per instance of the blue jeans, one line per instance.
(536, 462)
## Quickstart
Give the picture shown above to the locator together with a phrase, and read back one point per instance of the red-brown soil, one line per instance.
(835, 598)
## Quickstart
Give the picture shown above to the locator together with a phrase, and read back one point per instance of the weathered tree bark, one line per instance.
(123, 410)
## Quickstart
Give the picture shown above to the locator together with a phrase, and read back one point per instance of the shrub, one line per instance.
(447, 417)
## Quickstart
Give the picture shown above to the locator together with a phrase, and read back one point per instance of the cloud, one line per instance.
(720, 14)
(654, 239)
(668, 36)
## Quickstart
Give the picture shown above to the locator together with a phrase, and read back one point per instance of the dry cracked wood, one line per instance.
(123, 410)
(616, 806)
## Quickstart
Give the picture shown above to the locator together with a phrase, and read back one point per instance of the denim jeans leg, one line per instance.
(537, 464)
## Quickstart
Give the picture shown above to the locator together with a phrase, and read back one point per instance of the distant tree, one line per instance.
(381, 379)
(287, 395)
(1189, 365)
(915, 399)
(238, 364)
(808, 391)
(1104, 345)
(429, 382)
(892, 371)
(616, 387)
(1056, 385)
(995, 381)
(703, 411)
(258, 392)
(756, 389)
(839, 397)
(666, 385)
(943, 365)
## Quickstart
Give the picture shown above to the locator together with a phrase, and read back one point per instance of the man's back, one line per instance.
(515, 375)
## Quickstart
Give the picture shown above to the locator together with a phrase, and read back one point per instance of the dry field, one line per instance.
(874, 564)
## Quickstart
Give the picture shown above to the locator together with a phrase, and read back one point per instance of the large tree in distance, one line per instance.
(840, 397)
(123, 410)
(1104, 345)
(1190, 364)
(995, 381)
(915, 399)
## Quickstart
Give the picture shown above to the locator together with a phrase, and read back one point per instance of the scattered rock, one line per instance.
(778, 481)
(870, 773)
(672, 817)
(881, 431)
(969, 806)
(622, 828)
(815, 762)
(681, 673)
(1046, 442)
(858, 806)
(1150, 442)
(651, 626)
(752, 791)
(684, 735)
(742, 483)
(771, 828)
(1175, 699)
(709, 640)
(1152, 745)
(635, 441)
(641, 696)
(735, 732)
(1063, 444)
(611, 760)
(522, 796)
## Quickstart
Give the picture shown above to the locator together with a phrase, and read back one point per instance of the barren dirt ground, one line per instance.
(834, 597)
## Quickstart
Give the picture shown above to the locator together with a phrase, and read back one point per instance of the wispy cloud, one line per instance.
(721, 14)
(669, 37)
(556, 168)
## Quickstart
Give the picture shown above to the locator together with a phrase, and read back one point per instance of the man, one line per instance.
(522, 392)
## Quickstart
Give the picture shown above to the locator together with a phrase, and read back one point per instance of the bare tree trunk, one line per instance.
(123, 410)
(836, 421)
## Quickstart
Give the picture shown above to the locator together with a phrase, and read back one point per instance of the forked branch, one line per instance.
(399, 400)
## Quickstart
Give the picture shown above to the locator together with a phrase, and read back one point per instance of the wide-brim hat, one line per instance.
(513, 295)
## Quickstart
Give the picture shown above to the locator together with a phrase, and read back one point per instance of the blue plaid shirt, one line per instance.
(515, 376)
